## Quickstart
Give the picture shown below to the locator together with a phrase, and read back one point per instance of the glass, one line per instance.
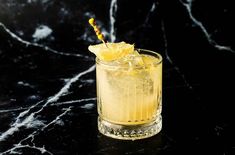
(129, 97)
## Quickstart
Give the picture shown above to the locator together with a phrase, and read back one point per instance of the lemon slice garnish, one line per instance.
(113, 52)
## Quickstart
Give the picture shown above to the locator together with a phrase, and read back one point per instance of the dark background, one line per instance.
(195, 37)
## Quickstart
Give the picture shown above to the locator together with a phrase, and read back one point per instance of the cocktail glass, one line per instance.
(129, 96)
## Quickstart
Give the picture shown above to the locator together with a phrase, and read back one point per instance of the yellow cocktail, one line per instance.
(129, 91)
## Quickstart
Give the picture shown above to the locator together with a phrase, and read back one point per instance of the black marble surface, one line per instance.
(47, 75)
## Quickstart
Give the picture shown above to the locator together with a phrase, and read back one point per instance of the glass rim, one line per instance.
(153, 53)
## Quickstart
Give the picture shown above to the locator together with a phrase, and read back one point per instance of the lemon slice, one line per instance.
(113, 51)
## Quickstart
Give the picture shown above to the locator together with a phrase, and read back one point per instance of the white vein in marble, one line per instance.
(188, 6)
(65, 89)
(52, 104)
(25, 84)
(169, 58)
(20, 121)
(12, 110)
(20, 146)
(74, 101)
(112, 14)
(41, 32)
(88, 106)
(151, 11)
(32, 135)
(90, 81)
(28, 116)
(34, 1)
(46, 48)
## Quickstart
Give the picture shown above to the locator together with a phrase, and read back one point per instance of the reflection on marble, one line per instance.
(47, 80)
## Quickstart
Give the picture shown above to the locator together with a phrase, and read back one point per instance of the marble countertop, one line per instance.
(48, 85)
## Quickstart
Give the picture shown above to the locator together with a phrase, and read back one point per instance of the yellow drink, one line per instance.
(129, 96)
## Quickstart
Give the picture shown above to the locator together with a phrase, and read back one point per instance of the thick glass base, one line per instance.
(130, 132)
